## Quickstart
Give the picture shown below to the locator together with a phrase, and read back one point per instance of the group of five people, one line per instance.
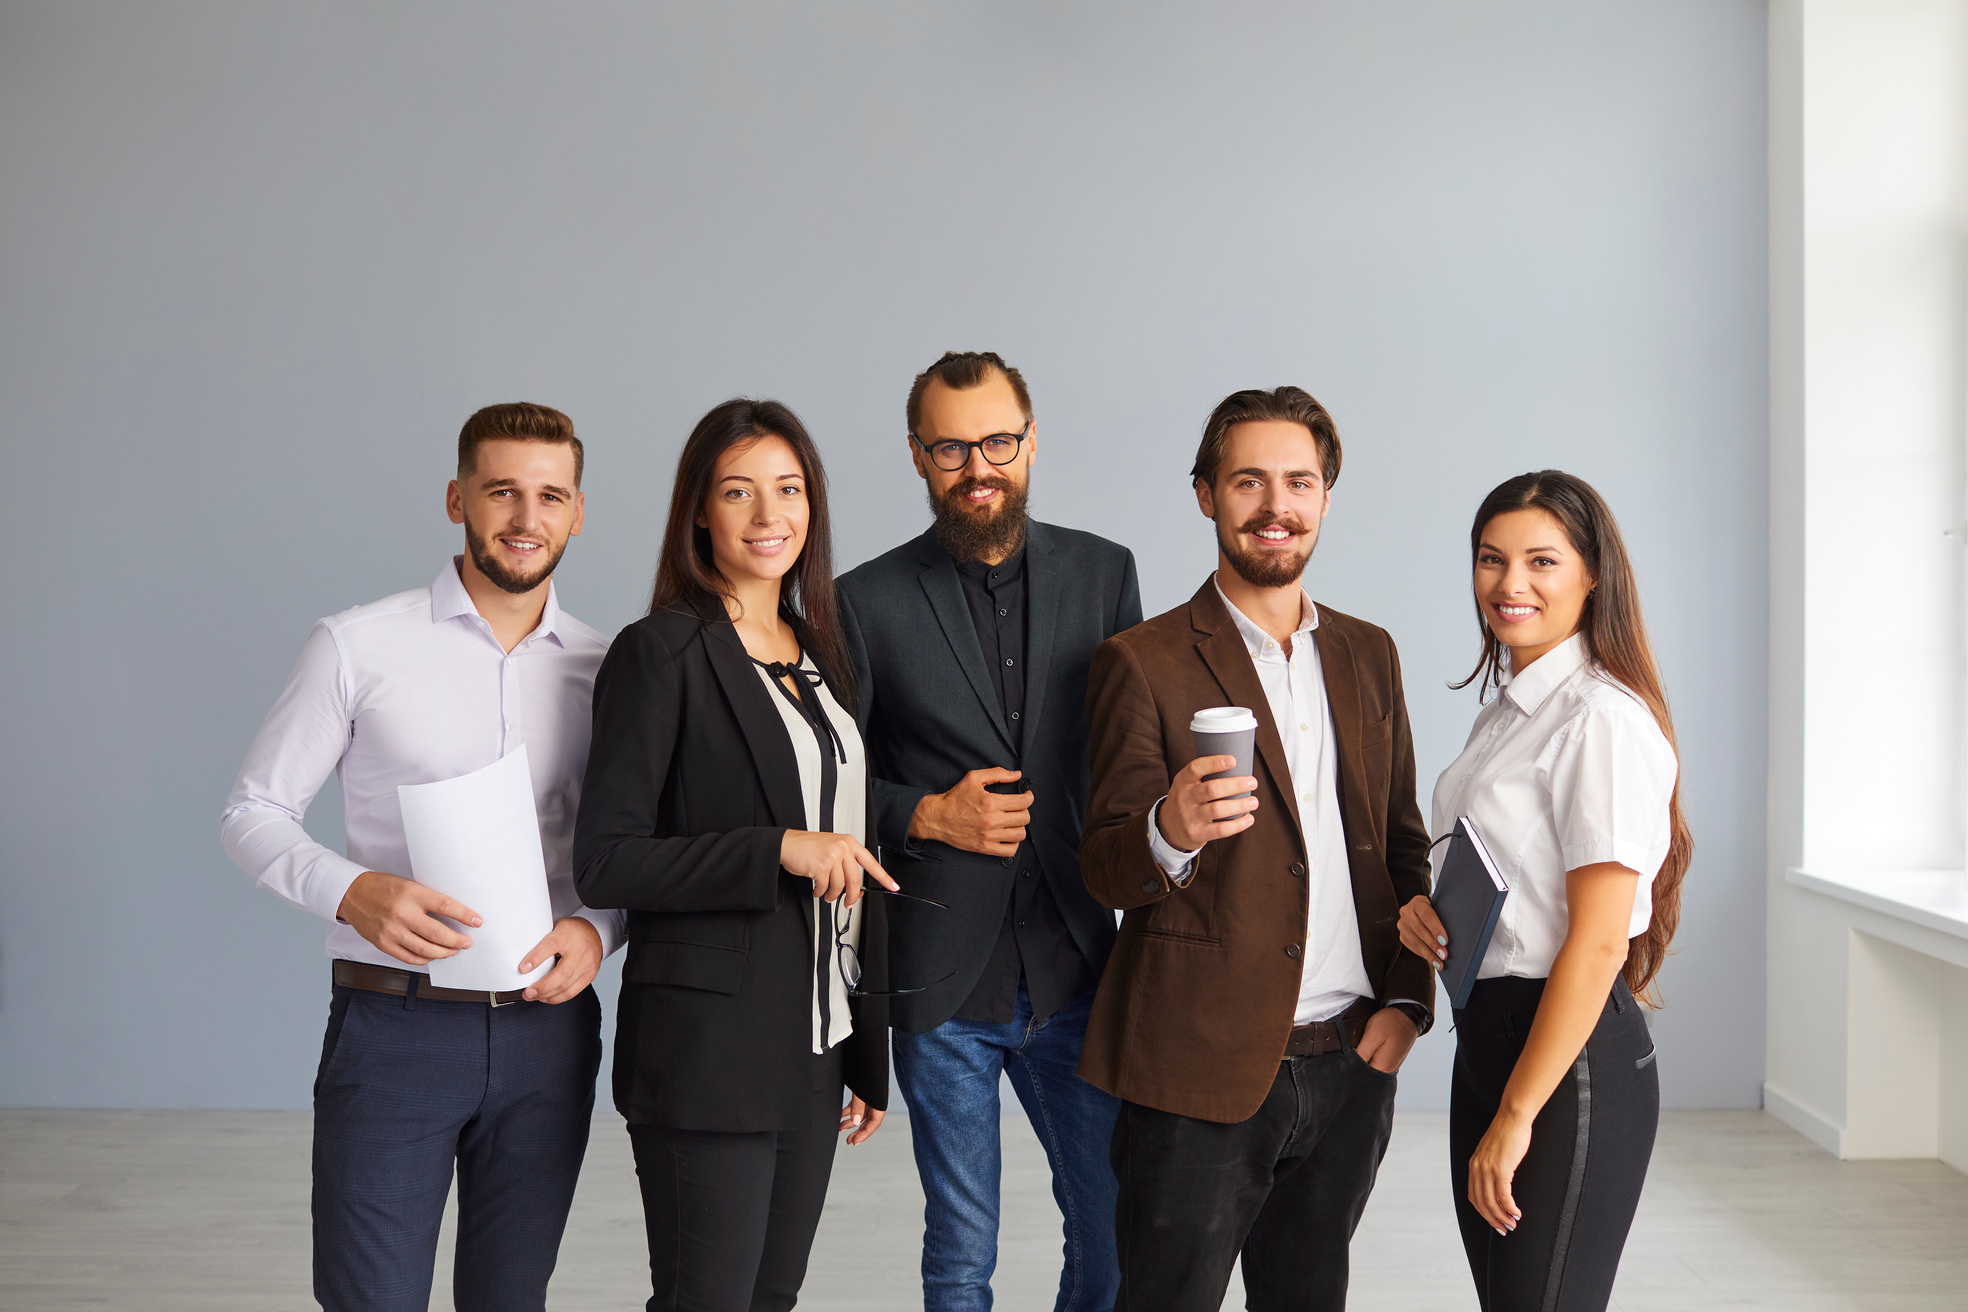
(830, 819)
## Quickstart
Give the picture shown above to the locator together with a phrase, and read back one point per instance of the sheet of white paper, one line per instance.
(477, 838)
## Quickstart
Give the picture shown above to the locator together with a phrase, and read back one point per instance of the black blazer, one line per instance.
(691, 785)
(929, 714)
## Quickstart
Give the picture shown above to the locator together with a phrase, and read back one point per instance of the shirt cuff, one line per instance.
(610, 925)
(328, 883)
(1175, 863)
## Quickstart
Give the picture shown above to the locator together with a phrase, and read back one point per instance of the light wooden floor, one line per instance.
(208, 1210)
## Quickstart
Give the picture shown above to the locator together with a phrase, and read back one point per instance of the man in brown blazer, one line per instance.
(1258, 1001)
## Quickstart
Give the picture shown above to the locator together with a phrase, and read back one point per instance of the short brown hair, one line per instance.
(1291, 405)
(962, 370)
(516, 421)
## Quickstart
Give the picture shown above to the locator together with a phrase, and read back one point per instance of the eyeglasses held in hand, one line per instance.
(950, 455)
(848, 961)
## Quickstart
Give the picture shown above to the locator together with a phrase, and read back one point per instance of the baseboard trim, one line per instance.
(1820, 1130)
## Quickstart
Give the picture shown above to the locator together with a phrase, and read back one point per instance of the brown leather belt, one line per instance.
(382, 979)
(1323, 1036)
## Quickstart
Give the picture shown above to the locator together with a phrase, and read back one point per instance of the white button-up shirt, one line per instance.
(1334, 974)
(410, 690)
(1566, 768)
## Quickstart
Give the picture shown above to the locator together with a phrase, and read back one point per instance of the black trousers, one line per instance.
(407, 1090)
(1579, 1184)
(731, 1216)
(1285, 1188)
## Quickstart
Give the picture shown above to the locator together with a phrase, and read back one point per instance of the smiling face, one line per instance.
(519, 505)
(1268, 501)
(757, 511)
(979, 507)
(1531, 583)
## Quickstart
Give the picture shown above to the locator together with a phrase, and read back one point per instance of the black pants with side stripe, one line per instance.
(1579, 1184)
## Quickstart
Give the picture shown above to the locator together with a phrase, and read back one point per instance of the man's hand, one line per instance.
(578, 945)
(1200, 809)
(1389, 1036)
(973, 819)
(400, 915)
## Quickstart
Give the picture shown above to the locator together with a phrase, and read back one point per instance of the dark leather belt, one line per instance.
(382, 979)
(1323, 1036)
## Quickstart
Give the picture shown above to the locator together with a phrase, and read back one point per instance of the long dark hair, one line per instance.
(687, 573)
(1616, 639)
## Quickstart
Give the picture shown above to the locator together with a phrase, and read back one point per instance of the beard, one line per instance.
(1265, 569)
(507, 580)
(970, 533)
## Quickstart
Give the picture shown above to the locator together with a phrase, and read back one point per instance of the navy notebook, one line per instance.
(1468, 898)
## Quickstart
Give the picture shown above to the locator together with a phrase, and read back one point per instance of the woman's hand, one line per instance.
(1493, 1165)
(1600, 906)
(833, 862)
(856, 1117)
(1422, 933)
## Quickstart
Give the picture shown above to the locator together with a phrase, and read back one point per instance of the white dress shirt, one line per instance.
(1566, 768)
(834, 927)
(410, 690)
(1334, 975)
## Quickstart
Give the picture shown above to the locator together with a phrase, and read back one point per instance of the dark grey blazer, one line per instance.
(929, 715)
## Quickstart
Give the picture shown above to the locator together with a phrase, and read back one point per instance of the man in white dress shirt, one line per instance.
(1258, 1001)
(414, 1080)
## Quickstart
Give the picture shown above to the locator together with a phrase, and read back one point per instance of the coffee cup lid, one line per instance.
(1222, 719)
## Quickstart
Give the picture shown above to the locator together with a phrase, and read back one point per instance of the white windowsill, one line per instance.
(1937, 899)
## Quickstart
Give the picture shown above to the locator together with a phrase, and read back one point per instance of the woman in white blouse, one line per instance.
(1570, 777)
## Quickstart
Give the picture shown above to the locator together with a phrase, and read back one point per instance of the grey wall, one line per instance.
(258, 262)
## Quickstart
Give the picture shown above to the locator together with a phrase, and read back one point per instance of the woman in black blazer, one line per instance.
(725, 807)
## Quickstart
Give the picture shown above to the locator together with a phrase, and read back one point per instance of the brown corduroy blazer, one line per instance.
(1195, 1007)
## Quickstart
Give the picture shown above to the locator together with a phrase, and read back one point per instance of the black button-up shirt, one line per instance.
(1034, 945)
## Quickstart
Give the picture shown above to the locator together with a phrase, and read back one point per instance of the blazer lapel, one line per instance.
(1041, 621)
(945, 592)
(1342, 696)
(758, 718)
(1222, 649)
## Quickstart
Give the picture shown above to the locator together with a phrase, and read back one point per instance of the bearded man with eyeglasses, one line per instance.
(971, 645)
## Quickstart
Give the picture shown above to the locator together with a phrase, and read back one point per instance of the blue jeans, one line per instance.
(949, 1078)
(408, 1090)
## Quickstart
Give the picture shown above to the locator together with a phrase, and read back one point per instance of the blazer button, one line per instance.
(1291, 950)
(1006, 861)
(1297, 870)
(1149, 886)
(1366, 847)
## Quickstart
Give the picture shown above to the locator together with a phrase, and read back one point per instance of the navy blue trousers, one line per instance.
(408, 1088)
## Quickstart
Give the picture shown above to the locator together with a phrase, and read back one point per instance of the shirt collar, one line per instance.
(1530, 688)
(1255, 638)
(1006, 569)
(449, 600)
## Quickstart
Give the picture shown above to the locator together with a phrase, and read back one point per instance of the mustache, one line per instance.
(964, 486)
(1258, 521)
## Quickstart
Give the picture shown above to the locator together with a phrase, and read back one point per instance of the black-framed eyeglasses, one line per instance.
(950, 455)
(848, 961)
